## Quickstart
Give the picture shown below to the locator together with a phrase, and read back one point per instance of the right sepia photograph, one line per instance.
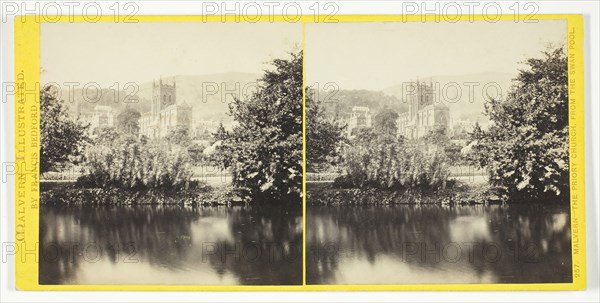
(437, 153)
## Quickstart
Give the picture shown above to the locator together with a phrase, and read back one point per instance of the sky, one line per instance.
(379, 55)
(106, 53)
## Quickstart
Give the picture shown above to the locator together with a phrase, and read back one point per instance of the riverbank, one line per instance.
(459, 194)
(64, 193)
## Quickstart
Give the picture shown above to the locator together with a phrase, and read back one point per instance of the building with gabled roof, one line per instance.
(166, 114)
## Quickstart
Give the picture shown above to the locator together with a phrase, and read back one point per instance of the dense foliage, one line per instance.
(526, 149)
(385, 122)
(264, 148)
(128, 121)
(385, 161)
(126, 161)
(323, 135)
(339, 101)
(439, 137)
(180, 135)
(62, 138)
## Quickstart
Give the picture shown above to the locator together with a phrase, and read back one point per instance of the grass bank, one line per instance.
(459, 194)
(69, 194)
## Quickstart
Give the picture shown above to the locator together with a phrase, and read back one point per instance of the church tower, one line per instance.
(163, 95)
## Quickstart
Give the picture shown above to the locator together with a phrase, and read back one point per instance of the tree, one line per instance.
(385, 122)
(341, 101)
(526, 149)
(195, 151)
(180, 135)
(221, 156)
(477, 135)
(107, 135)
(220, 134)
(265, 145)
(323, 135)
(128, 121)
(62, 138)
(438, 137)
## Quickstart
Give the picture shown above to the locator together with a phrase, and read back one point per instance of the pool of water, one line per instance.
(432, 244)
(171, 245)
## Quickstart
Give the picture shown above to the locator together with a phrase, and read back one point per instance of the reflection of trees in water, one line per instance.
(366, 232)
(156, 235)
(165, 237)
(267, 247)
(534, 241)
(538, 238)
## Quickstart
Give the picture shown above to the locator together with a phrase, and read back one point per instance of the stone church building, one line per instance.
(166, 114)
(424, 113)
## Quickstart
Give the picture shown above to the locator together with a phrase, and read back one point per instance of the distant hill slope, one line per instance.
(462, 105)
(209, 95)
(341, 102)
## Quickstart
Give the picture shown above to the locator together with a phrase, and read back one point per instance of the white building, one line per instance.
(359, 118)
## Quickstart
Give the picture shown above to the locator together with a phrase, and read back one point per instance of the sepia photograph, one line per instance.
(437, 153)
(160, 151)
(170, 153)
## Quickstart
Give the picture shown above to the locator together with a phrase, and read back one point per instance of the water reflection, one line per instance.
(434, 244)
(170, 245)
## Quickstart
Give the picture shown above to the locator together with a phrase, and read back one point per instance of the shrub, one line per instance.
(386, 162)
(128, 162)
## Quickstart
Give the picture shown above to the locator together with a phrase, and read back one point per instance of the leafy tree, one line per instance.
(385, 122)
(526, 149)
(221, 157)
(339, 101)
(106, 135)
(195, 152)
(180, 135)
(62, 138)
(220, 134)
(437, 136)
(265, 146)
(453, 153)
(128, 121)
(477, 135)
(323, 135)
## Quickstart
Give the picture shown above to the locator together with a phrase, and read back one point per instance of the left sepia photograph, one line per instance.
(171, 153)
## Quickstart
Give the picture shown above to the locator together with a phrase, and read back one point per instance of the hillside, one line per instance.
(464, 95)
(202, 92)
(340, 102)
(462, 105)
